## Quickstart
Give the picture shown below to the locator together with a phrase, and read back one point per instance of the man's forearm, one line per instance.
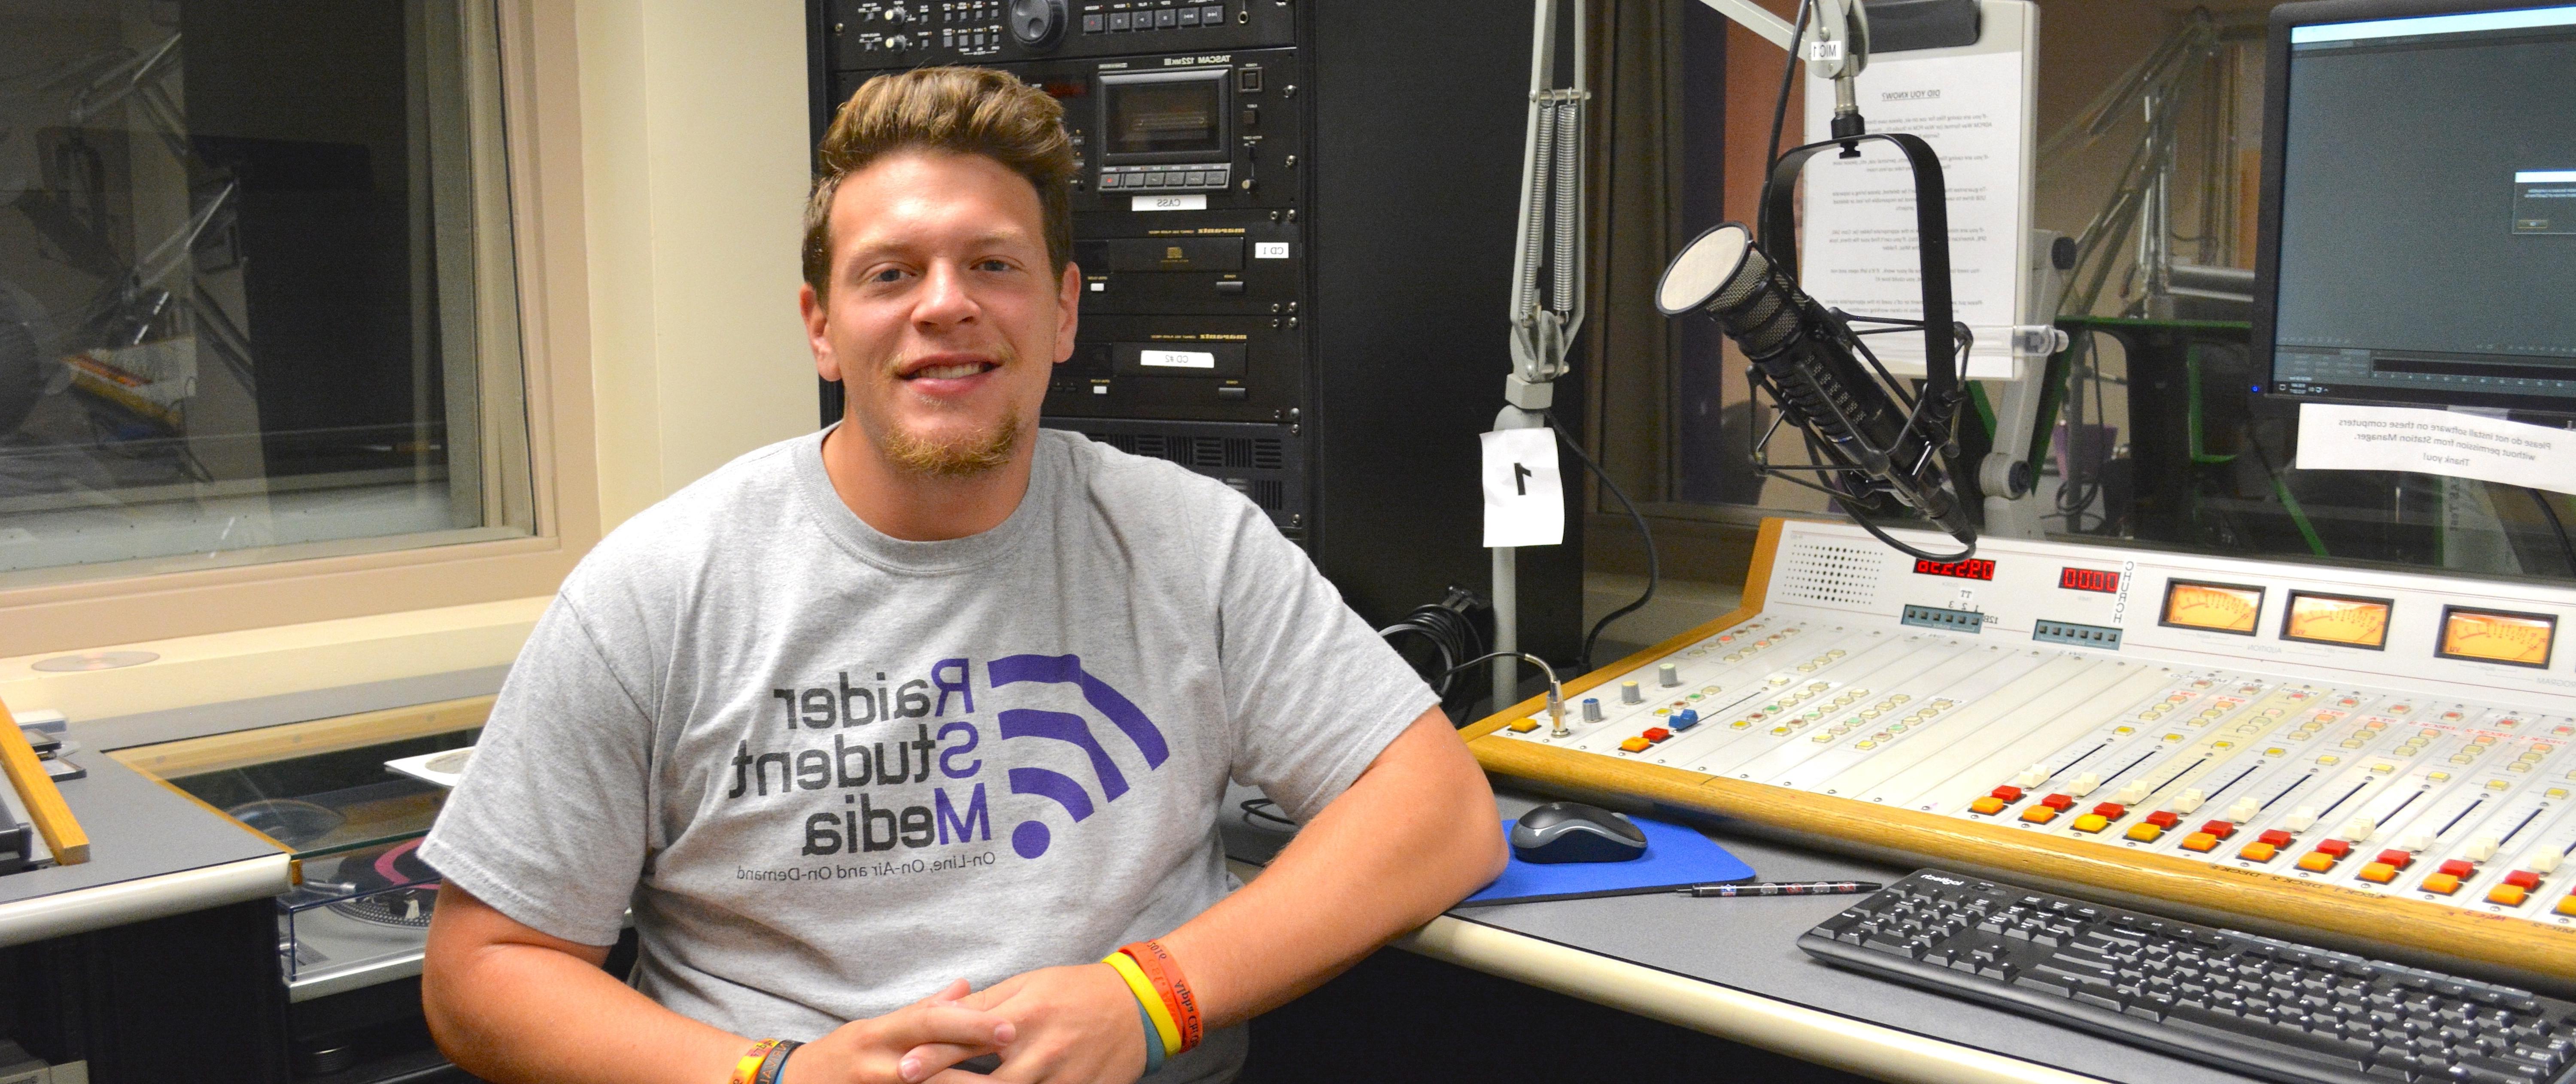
(512, 1012)
(1417, 832)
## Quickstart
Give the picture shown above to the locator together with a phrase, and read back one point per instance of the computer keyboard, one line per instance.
(2251, 1004)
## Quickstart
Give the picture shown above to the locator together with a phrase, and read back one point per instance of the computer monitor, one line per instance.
(2418, 236)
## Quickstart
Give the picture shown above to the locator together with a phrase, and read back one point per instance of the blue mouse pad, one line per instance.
(1675, 856)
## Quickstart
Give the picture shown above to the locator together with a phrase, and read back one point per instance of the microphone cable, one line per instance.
(1447, 624)
(1654, 567)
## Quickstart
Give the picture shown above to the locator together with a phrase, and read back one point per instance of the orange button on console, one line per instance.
(2566, 906)
(1635, 745)
(2258, 852)
(2199, 841)
(1524, 726)
(2508, 895)
(2091, 822)
(2316, 861)
(2441, 884)
(2145, 833)
(2039, 814)
(2378, 873)
(1988, 805)
(1656, 734)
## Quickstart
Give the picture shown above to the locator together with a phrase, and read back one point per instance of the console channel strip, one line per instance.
(2383, 756)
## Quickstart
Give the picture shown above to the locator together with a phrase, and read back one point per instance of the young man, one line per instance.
(888, 734)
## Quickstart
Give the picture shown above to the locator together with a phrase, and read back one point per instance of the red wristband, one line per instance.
(1165, 973)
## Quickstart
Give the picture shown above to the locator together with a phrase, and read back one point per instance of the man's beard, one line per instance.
(958, 457)
(963, 457)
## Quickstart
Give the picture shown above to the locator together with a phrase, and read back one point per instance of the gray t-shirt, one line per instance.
(832, 770)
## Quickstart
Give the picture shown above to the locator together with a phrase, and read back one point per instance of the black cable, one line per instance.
(1452, 632)
(1259, 809)
(1654, 566)
(1788, 78)
(2566, 552)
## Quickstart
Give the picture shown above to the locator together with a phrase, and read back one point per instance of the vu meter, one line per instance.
(2213, 607)
(2334, 619)
(2493, 636)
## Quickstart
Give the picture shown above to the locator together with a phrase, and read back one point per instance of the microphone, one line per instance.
(1879, 462)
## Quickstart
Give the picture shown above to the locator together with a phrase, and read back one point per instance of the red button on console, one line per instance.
(2009, 794)
(2221, 829)
(2110, 811)
(2459, 867)
(1657, 733)
(2058, 802)
(2523, 879)
(2335, 847)
(2395, 859)
(2163, 818)
(2276, 837)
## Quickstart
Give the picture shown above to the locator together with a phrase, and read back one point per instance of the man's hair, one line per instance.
(957, 110)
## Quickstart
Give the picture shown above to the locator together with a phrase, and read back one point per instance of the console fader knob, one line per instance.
(1669, 674)
(1629, 693)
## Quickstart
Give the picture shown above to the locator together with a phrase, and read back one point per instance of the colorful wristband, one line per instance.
(1165, 974)
(775, 1065)
(1167, 1033)
(746, 1069)
(1153, 1040)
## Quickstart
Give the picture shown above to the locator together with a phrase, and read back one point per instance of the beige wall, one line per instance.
(694, 166)
(695, 157)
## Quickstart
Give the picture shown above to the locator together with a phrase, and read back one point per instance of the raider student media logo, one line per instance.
(870, 751)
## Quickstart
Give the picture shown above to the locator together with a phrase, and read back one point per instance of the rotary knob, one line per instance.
(897, 15)
(1038, 24)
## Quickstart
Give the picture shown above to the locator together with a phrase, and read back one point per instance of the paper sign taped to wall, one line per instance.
(2458, 445)
(1524, 494)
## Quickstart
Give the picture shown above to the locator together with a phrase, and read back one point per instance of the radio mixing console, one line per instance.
(2380, 756)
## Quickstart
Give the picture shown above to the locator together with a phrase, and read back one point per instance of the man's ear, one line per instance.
(1068, 310)
(811, 307)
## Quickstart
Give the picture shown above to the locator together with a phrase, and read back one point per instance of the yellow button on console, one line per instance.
(2258, 852)
(2316, 861)
(2092, 822)
(2145, 833)
(1524, 726)
(2039, 814)
(2567, 906)
(1988, 805)
(2441, 884)
(1635, 745)
(2378, 873)
(2508, 895)
(2199, 841)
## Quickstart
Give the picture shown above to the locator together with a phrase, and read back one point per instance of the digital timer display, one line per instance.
(1973, 569)
(2089, 579)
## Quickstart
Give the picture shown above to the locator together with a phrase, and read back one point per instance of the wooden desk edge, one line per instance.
(44, 801)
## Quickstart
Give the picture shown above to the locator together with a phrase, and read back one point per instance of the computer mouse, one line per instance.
(1575, 832)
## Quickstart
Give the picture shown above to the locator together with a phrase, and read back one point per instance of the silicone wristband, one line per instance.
(1153, 1040)
(1167, 1034)
(775, 1065)
(1165, 973)
(746, 1069)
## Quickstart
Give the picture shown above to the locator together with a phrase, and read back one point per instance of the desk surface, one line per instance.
(152, 853)
(1750, 945)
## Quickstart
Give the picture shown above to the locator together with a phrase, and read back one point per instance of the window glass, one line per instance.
(256, 297)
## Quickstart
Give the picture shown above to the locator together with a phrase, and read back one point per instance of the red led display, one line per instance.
(2089, 579)
(1973, 569)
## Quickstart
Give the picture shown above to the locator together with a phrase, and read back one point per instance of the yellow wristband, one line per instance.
(1143, 988)
(746, 1069)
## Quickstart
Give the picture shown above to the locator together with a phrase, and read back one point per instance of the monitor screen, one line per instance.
(2420, 206)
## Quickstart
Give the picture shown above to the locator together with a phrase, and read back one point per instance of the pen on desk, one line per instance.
(1780, 888)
